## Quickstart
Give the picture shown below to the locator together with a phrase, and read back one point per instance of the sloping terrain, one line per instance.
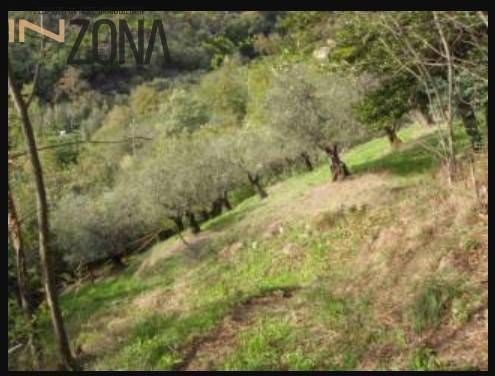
(387, 270)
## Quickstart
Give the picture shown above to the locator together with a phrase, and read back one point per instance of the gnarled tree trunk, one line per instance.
(193, 222)
(307, 161)
(392, 136)
(216, 208)
(338, 168)
(255, 182)
(49, 281)
(179, 223)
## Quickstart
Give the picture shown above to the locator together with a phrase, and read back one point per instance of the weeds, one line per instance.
(424, 359)
(432, 302)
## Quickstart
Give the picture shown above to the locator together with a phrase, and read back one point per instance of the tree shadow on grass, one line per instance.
(409, 159)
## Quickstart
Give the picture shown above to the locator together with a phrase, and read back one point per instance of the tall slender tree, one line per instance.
(65, 354)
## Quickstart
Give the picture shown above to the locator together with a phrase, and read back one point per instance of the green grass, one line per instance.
(410, 159)
(323, 326)
(424, 359)
(433, 300)
(160, 342)
(261, 347)
(371, 151)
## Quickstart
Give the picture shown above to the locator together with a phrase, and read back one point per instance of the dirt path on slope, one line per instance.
(207, 351)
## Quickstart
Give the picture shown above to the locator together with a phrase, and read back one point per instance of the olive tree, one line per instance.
(176, 180)
(97, 227)
(216, 168)
(315, 108)
(259, 79)
(252, 153)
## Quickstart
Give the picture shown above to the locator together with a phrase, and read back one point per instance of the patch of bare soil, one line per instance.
(355, 191)
(206, 351)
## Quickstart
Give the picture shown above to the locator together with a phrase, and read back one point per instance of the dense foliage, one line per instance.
(130, 153)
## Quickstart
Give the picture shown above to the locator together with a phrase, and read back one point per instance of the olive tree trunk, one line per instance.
(48, 274)
(392, 136)
(307, 161)
(179, 223)
(216, 208)
(193, 223)
(338, 168)
(254, 179)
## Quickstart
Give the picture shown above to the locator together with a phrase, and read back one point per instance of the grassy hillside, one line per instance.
(386, 270)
